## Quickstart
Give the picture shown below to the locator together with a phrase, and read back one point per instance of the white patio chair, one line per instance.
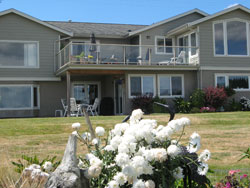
(92, 108)
(65, 107)
(75, 109)
(181, 59)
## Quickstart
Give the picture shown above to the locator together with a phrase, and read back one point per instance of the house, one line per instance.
(42, 62)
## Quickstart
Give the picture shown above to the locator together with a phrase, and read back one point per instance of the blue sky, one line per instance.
(114, 11)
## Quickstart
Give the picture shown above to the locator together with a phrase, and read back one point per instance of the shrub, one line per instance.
(195, 110)
(197, 98)
(233, 106)
(215, 97)
(245, 103)
(144, 102)
(229, 91)
(181, 105)
(157, 108)
(207, 109)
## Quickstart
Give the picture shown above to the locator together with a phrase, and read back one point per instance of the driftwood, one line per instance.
(68, 174)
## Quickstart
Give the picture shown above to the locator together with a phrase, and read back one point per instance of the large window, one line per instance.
(163, 45)
(170, 85)
(237, 82)
(19, 97)
(19, 54)
(142, 85)
(230, 38)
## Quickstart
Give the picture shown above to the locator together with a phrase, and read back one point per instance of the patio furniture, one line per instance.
(181, 59)
(75, 109)
(65, 107)
(60, 112)
(92, 108)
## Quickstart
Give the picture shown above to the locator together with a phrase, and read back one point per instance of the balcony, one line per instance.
(103, 55)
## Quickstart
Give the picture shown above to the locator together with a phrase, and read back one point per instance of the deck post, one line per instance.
(124, 54)
(68, 93)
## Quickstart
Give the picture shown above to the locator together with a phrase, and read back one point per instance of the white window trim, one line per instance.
(141, 75)
(32, 96)
(164, 46)
(188, 34)
(232, 74)
(225, 37)
(171, 75)
(24, 67)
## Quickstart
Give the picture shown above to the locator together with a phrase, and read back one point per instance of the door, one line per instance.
(86, 92)
(118, 96)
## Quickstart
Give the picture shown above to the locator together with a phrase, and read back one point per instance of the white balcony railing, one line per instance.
(113, 54)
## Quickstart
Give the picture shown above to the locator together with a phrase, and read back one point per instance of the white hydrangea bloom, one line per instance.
(115, 141)
(47, 166)
(202, 169)
(76, 126)
(173, 150)
(100, 131)
(149, 184)
(194, 143)
(122, 159)
(120, 178)
(204, 156)
(164, 134)
(136, 116)
(178, 173)
(139, 184)
(120, 128)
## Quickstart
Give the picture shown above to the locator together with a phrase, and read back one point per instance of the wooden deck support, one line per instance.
(68, 92)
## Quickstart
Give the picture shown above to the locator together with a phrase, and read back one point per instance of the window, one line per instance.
(230, 38)
(188, 44)
(142, 85)
(163, 45)
(18, 54)
(170, 85)
(19, 97)
(237, 82)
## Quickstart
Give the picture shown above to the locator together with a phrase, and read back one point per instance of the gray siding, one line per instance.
(207, 57)
(14, 27)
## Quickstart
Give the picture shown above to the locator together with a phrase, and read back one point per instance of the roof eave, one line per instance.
(35, 20)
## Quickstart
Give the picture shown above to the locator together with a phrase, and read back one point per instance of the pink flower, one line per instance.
(228, 185)
(232, 172)
(243, 176)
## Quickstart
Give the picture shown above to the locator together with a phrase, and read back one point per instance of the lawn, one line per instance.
(226, 135)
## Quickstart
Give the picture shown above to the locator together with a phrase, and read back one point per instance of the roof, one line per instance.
(169, 20)
(84, 29)
(189, 25)
(35, 20)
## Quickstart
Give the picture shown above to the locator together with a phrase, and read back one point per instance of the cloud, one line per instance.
(232, 5)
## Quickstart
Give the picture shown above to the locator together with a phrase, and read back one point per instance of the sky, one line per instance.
(143, 12)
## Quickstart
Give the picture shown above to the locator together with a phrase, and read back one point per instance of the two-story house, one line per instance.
(42, 62)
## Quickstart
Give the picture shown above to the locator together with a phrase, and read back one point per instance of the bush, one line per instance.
(157, 108)
(195, 110)
(245, 103)
(144, 102)
(197, 98)
(229, 91)
(207, 109)
(181, 105)
(215, 97)
(233, 106)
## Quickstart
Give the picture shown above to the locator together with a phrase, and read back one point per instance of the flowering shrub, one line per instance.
(145, 102)
(215, 97)
(142, 154)
(181, 105)
(245, 103)
(234, 180)
(207, 109)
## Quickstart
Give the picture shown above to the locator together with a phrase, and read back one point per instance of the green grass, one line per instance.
(226, 135)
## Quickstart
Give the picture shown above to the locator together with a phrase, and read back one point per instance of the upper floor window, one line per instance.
(15, 54)
(230, 38)
(163, 45)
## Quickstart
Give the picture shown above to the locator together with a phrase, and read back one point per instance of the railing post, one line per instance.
(150, 56)
(64, 54)
(68, 92)
(124, 54)
(174, 50)
(70, 52)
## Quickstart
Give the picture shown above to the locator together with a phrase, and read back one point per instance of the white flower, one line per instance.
(139, 184)
(95, 162)
(113, 184)
(136, 116)
(120, 128)
(86, 136)
(100, 131)
(95, 141)
(47, 166)
(115, 142)
(35, 173)
(93, 171)
(178, 173)
(204, 156)
(76, 126)
(185, 121)
(149, 184)
(194, 143)
(129, 171)
(122, 159)
(34, 166)
(202, 169)
(109, 148)
(160, 154)
(120, 178)
(89, 156)
(80, 163)
(173, 150)
(165, 133)
(75, 133)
